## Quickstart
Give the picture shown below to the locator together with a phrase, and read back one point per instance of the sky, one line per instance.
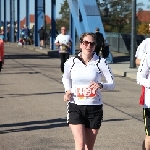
(31, 9)
(48, 6)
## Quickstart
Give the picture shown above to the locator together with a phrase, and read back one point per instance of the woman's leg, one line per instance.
(78, 132)
(42, 43)
(62, 60)
(0, 65)
(90, 137)
(66, 56)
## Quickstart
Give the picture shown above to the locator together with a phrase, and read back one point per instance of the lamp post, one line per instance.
(133, 35)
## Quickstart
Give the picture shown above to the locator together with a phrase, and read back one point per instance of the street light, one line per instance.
(133, 35)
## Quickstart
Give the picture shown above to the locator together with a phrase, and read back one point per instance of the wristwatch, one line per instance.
(101, 85)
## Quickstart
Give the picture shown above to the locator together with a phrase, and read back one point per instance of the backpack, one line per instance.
(99, 39)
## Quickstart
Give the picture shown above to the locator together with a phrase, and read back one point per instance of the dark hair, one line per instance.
(96, 29)
(85, 34)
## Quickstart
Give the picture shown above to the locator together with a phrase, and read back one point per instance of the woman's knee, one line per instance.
(147, 138)
(79, 144)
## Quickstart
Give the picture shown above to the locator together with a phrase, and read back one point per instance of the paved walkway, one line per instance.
(121, 65)
(33, 114)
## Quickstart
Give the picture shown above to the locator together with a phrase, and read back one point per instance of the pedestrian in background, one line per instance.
(63, 41)
(142, 61)
(1, 53)
(26, 35)
(42, 36)
(143, 78)
(99, 48)
(2, 34)
(22, 32)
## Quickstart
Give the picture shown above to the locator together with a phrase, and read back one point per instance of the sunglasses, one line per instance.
(86, 43)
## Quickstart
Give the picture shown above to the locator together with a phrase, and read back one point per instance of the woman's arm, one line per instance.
(57, 41)
(106, 71)
(137, 61)
(67, 74)
(143, 71)
(139, 53)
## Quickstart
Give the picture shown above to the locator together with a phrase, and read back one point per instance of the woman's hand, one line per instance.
(95, 85)
(69, 45)
(68, 96)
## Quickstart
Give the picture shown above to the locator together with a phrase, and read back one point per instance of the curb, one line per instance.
(124, 71)
(124, 74)
(51, 53)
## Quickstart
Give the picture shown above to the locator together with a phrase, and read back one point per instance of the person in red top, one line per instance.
(1, 53)
(2, 33)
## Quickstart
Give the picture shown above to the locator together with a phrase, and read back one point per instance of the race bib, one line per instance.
(63, 48)
(83, 93)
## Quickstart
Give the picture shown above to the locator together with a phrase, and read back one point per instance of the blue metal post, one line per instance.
(44, 23)
(53, 23)
(39, 19)
(72, 33)
(5, 19)
(0, 13)
(27, 13)
(18, 19)
(74, 10)
(11, 21)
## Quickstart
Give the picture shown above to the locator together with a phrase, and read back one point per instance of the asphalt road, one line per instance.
(33, 114)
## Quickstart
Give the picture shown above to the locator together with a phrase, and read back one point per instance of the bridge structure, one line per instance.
(84, 17)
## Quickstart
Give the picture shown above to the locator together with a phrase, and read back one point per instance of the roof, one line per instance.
(144, 16)
(32, 20)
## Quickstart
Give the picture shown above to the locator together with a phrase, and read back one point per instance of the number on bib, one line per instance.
(85, 92)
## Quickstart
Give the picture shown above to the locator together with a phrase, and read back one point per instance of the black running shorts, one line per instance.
(146, 117)
(89, 115)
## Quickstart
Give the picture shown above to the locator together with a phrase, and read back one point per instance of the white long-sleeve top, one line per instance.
(77, 77)
(143, 77)
(142, 48)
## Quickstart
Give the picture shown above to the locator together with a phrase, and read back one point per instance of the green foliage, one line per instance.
(64, 12)
(116, 14)
(143, 29)
(119, 14)
(60, 23)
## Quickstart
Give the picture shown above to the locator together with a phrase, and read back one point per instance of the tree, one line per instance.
(64, 12)
(117, 14)
(143, 28)
(148, 5)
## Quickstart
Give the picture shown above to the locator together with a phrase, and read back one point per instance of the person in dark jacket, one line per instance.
(50, 32)
(42, 36)
(99, 41)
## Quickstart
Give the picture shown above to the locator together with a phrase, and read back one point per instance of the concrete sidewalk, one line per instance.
(121, 65)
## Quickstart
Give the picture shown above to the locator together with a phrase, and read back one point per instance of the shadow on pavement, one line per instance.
(27, 56)
(34, 125)
(20, 95)
(22, 73)
(114, 120)
(118, 59)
